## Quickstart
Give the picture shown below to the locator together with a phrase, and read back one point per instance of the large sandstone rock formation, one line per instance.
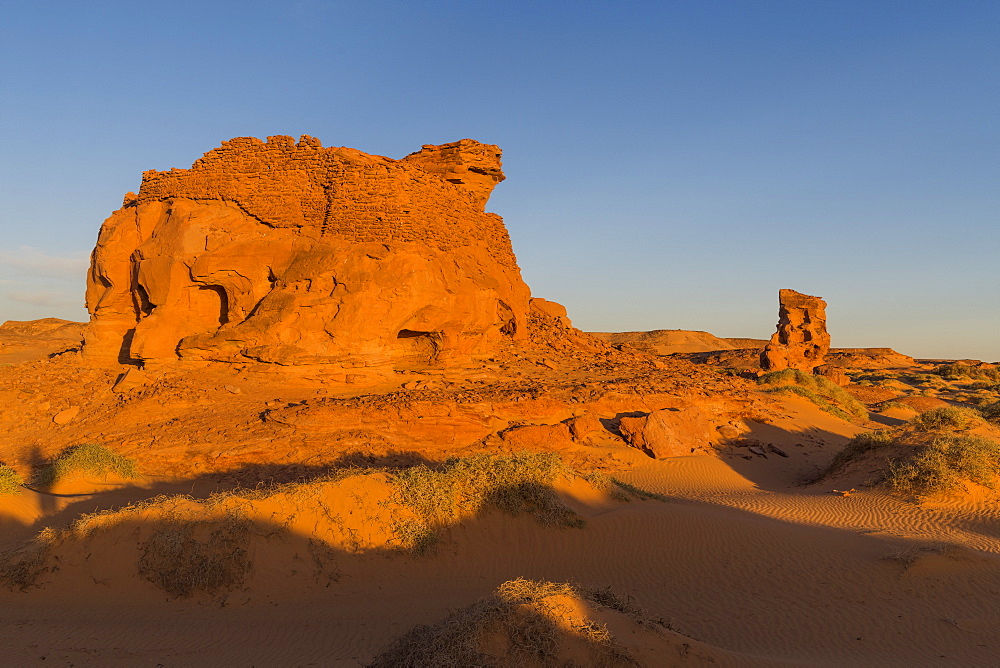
(289, 253)
(801, 341)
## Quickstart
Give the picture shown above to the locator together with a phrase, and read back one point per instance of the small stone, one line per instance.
(66, 416)
(776, 450)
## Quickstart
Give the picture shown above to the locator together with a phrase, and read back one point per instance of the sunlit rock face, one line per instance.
(292, 254)
(801, 341)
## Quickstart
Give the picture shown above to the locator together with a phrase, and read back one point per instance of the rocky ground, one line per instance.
(694, 497)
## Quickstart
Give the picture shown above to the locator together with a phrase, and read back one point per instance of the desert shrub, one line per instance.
(944, 464)
(892, 403)
(981, 398)
(859, 445)
(980, 385)
(947, 418)
(520, 624)
(828, 396)
(23, 565)
(189, 557)
(519, 483)
(959, 370)
(10, 480)
(417, 536)
(991, 411)
(89, 458)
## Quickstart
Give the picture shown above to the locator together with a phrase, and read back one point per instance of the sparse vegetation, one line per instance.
(88, 458)
(947, 418)
(945, 463)
(959, 370)
(991, 412)
(417, 536)
(928, 455)
(516, 484)
(188, 557)
(194, 546)
(888, 405)
(10, 481)
(826, 395)
(524, 622)
(21, 567)
(859, 445)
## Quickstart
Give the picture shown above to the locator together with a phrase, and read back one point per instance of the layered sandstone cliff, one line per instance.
(801, 341)
(289, 253)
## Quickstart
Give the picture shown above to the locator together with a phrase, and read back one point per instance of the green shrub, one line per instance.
(944, 464)
(828, 396)
(10, 480)
(947, 418)
(88, 458)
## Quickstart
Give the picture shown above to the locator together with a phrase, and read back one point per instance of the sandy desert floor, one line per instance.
(735, 557)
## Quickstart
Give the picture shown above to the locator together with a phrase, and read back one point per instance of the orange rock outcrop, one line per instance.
(289, 253)
(801, 341)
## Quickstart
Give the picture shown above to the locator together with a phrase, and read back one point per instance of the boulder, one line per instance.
(537, 437)
(287, 253)
(801, 341)
(669, 432)
(834, 374)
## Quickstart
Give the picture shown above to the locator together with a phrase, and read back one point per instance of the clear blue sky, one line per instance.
(670, 165)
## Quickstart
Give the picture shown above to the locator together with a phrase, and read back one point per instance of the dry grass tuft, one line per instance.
(828, 396)
(991, 412)
(523, 623)
(198, 557)
(88, 458)
(958, 371)
(929, 454)
(947, 418)
(22, 566)
(519, 483)
(859, 445)
(10, 481)
(944, 464)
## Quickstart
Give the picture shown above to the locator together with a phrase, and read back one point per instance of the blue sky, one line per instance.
(670, 164)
